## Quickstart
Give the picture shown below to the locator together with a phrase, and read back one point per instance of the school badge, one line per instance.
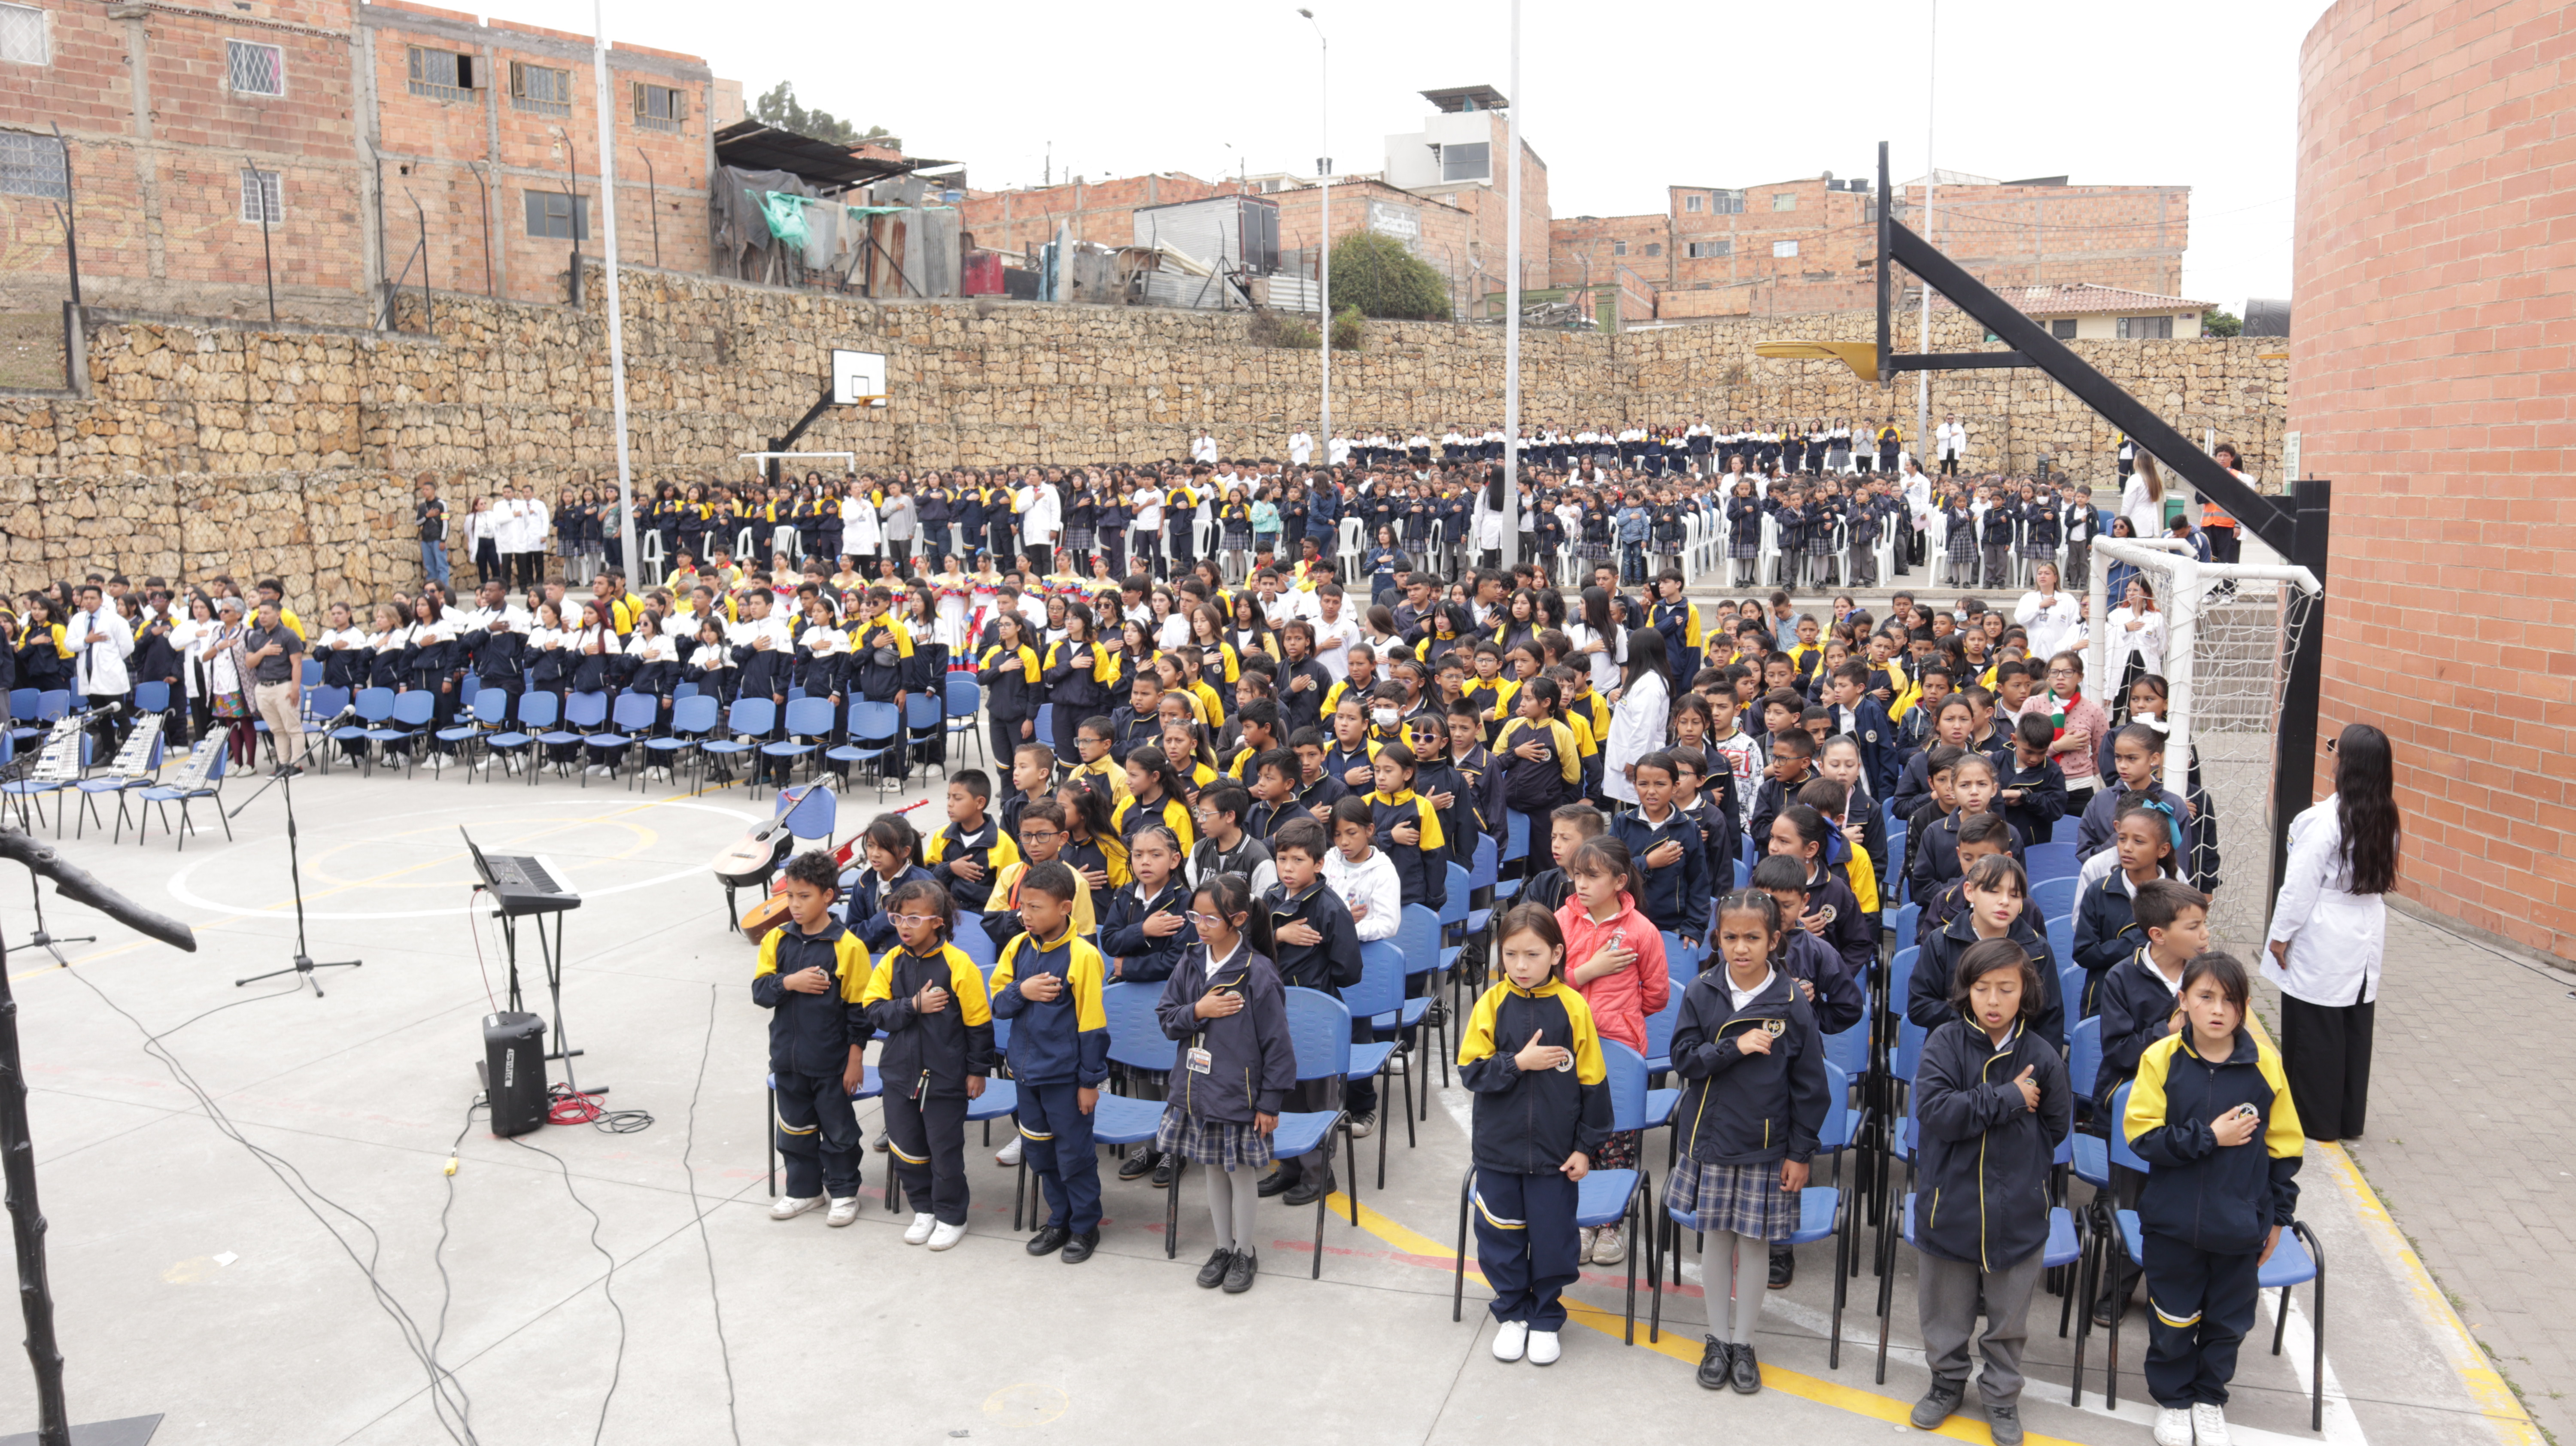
(1773, 1027)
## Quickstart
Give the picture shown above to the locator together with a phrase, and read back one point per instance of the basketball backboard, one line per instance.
(858, 377)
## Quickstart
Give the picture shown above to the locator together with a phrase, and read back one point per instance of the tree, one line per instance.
(777, 107)
(1380, 277)
(2218, 321)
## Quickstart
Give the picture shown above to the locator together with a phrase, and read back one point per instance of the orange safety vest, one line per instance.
(2213, 515)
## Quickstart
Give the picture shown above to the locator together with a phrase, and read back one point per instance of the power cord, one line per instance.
(715, 1299)
(447, 1394)
(566, 1105)
(617, 1363)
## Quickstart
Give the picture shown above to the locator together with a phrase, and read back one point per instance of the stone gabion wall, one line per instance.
(207, 445)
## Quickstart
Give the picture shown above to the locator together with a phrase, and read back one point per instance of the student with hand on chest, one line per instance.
(1048, 982)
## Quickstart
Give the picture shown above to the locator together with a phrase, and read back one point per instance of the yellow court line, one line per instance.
(1809, 1388)
(2486, 1385)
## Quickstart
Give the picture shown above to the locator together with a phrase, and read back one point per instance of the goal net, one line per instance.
(2230, 632)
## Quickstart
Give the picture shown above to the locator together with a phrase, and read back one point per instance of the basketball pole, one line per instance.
(632, 559)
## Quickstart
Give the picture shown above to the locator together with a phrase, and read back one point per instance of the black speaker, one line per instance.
(514, 1071)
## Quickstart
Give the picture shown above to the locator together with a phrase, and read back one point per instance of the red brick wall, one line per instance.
(2429, 379)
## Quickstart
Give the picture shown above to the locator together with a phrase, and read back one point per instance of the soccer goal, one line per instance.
(2230, 632)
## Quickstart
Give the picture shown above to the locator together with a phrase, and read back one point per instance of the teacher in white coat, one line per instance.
(1641, 718)
(2329, 930)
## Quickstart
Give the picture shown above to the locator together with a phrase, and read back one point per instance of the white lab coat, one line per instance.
(1950, 439)
(2336, 936)
(2148, 642)
(1300, 447)
(1044, 518)
(1639, 724)
(2146, 514)
(861, 531)
(98, 669)
(2052, 627)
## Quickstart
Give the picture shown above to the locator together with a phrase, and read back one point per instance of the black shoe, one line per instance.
(1049, 1240)
(1137, 1163)
(1240, 1270)
(1280, 1181)
(1212, 1274)
(1310, 1189)
(1784, 1266)
(1079, 1248)
(1938, 1404)
(293, 771)
(2005, 1422)
(1163, 1171)
(1745, 1375)
(2106, 1311)
(1715, 1363)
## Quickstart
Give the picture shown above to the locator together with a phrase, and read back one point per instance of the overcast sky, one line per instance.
(2200, 93)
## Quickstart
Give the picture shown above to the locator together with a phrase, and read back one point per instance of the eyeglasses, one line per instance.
(915, 920)
(1027, 833)
(1202, 920)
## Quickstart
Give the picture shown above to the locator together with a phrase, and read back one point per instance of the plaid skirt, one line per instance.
(1595, 551)
(1080, 539)
(1962, 545)
(1747, 547)
(1746, 1199)
(1211, 1142)
(2039, 551)
(1238, 536)
(1820, 545)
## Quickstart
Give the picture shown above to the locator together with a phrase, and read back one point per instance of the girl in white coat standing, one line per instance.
(2329, 930)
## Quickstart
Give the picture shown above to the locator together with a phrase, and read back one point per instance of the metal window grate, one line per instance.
(32, 165)
(540, 89)
(441, 74)
(660, 107)
(22, 35)
(262, 198)
(253, 69)
(552, 214)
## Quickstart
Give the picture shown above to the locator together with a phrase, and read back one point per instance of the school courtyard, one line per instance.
(203, 1283)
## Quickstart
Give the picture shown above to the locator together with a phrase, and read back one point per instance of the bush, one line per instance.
(1377, 275)
(1348, 330)
(2217, 321)
(1290, 333)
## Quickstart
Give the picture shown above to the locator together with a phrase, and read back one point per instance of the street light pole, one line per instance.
(1512, 311)
(1931, 177)
(1324, 231)
(616, 331)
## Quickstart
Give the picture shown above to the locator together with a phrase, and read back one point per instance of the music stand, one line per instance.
(549, 954)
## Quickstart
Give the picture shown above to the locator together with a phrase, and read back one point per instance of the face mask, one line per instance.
(1382, 717)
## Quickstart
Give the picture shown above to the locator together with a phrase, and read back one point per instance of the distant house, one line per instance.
(2086, 312)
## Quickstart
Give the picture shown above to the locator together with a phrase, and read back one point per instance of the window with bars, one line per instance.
(1784, 248)
(2063, 328)
(540, 89)
(251, 68)
(22, 36)
(1618, 248)
(263, 198)
(1785, 201)
(1705, 250)
(2146, 328)
(32, 165)
(556, 216)
(1654, 248)
(660, 107)
(442, 74)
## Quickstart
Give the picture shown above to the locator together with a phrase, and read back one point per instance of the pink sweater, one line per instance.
(1620, 1002)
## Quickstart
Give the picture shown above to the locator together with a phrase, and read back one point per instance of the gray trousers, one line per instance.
(1946, 1296)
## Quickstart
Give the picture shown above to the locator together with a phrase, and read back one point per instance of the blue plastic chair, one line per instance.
(2061, 938)
(537, 713)
(872, 735)
(692, 718)
(1136, 1042)
(630, 720)
(91, 788)
(808, 721)
(2067, 829)
(1849, 1050)
(2051, 898)
(1379, 994)
(1900, 976)
(583, 715)
(1319, 1035)
(965, 700)
(1603, 1197)
(167, 794)
(2083, 1069)
(1902, 922)
(1516, 841)
(487, 714)
(2051, 861)
(154, 697)
(22, 707)
(1418, 936)
(410, 721)
(748, 722)
(31, 792)
(924, 719)
(375, 707)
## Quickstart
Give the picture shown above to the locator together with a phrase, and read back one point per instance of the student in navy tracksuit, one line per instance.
(1998, 897)
(811, 976)
(1801, 834)
(1973, 784)
(1047, 983)
(1991, 1103)
(2138, 999)
(2031, 788)
(1826, 978)
(1314, 945)
(927, 999)
(892, 848)
(2211, 1115)
(1677, 887)
(1533, 1060)
(2106, 928)
(1226, 1014)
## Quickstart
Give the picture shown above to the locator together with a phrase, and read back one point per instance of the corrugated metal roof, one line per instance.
(756, 147)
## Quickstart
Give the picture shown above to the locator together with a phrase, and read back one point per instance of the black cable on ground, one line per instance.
(617, 1363)
(447, 1394)
(715, 1299)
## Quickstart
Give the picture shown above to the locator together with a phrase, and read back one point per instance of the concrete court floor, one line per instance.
(191, 1283)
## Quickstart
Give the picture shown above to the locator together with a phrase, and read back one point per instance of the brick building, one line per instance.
(1806, 245)
(380, 143)
(2429, 380)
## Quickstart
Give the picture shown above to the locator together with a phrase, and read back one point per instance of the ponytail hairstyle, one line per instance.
(1151, 758)
(1753, 901)
(1231, 894)
(2160, 817)
(933, 900)
(1811, 827)
(1607, 855)
(1532, 919)
(2366, 808)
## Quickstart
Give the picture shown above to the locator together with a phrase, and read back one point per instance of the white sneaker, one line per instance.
(947, 1235)
(2173, 1426)
(1543, 1349)
(437, 762)
(1511, 1340)
(925, 1222)
(1008, 1155)
(1583, 1246)
(1607, 1248)
(791, 1206)
(845, 1208)
(2209, 1424)
(484, 762)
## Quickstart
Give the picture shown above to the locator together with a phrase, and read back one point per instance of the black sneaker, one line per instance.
(1715, 1363)
(2004, 1421)
(1212, 1274)
(1164, 1168)
(1784, 1266)
(1078, 1249)
(2107, 1309)
(1137, 1163)
(1280, 1181)
(1240, 1270)
(1310, 1189)
(1938, 1404)
(1745, 1375)
(1050, 1239)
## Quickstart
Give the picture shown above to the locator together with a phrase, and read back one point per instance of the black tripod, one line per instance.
(51, 943)
(304, 964)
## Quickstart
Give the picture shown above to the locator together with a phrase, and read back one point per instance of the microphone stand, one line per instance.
(17, 1150)
(303, 966)
(42, 940)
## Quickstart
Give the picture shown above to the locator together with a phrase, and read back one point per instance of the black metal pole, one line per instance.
(652, 203)
(71, 204)
(572, 196)
(267, 263)
(27, 1227)
(2294, 768)
(428, 316)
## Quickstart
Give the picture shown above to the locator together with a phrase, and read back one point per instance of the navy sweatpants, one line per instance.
(2202, 1305)
(1059, 1152)
(818, 1134)
(1526, 1244)
(927, 1138)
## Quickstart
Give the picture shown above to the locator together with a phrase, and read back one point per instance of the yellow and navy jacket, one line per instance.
(2224, 1201)
(1111, 773)
(1059, 1040)
(1421, 867)
(1528, 1121)
(813, 1034)
(991, 849)
(929, 1054)
(1132, 817)
(1748, 1109)
(880, 677)
(1590, 717)
(1004, 904)
(1010, 679)
(1210, 703)
(1531, 785)
(1981, 1191)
